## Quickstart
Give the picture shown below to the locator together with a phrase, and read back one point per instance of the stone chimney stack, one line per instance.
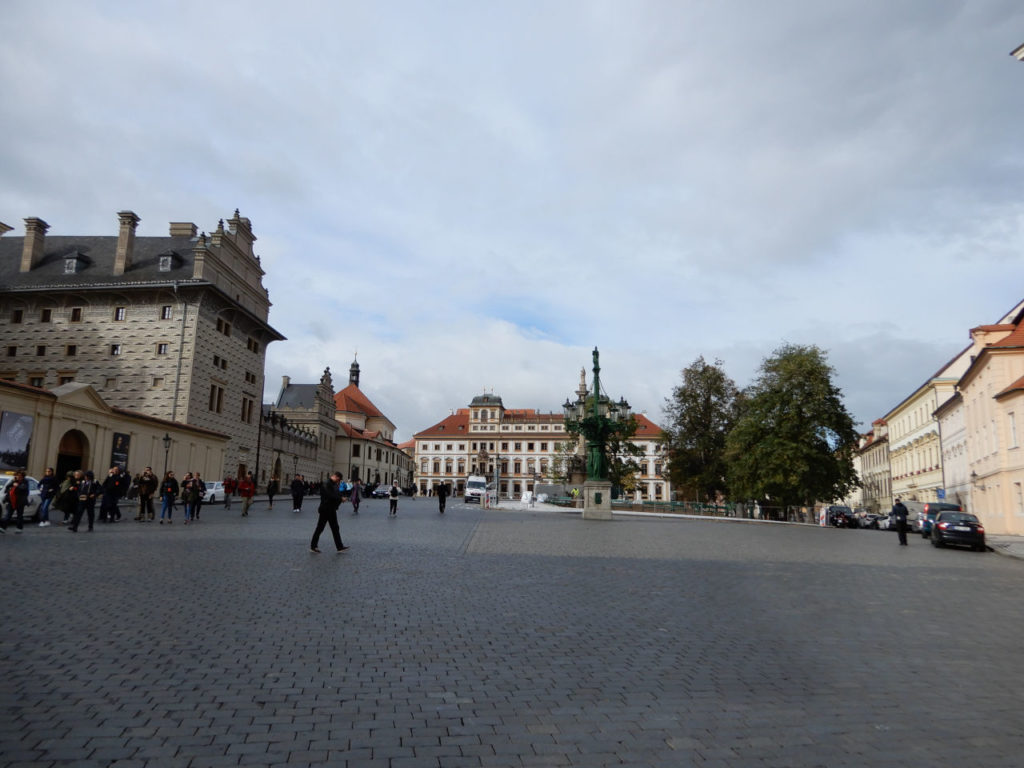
(285, 381)
(35, 243)
(183, 229)
(125, 241)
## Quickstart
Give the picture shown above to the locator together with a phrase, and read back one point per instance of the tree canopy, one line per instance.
(701, 412)
(793, 442)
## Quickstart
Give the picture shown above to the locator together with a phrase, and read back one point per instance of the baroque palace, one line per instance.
(524, 447)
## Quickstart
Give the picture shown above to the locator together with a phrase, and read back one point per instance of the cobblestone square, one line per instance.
(504, 638)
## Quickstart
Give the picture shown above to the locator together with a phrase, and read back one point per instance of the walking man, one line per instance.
(147, 487)
(298, 492)
(442, 496)
(900, 513)
(330, 499)
(393, 494)
(357, 494)
(246, 489)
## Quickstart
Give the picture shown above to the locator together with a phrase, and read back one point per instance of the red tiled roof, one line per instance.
(352, 400)
(645, 427)
(454, 425)
(1014, 339)
(1017, 386)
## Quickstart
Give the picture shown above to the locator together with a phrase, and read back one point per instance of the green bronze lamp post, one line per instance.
(596, 417)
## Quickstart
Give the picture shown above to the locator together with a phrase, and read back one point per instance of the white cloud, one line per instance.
(436, 184)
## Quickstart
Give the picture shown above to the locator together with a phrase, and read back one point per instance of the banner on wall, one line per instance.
(15, 436)
(119, 453)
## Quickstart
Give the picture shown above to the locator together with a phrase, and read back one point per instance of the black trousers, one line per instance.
(901, 530)
(84, 507)
(327, 518)
(440, 503)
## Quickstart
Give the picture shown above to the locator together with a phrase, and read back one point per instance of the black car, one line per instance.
(960, 528)
(842, 517)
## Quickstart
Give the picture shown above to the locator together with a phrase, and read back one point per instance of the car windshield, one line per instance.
(958, 517)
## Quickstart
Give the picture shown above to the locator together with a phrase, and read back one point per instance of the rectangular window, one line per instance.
(161, 349)
(12, 351)
(253, 345)
(119, 313)
(529, 446)
(76, 314)
(158, 382)
(543, 446)
(17, 315)
(40, 350)
(223, 326)
(45, 315)
(165, 312)
(111, 384)
(519, 446)
(115, 349)
(36, 381)
(355, 451)
(66, 378)
(71, 350)
(216, 398)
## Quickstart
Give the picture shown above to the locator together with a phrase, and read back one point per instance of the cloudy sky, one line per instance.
(475, 194)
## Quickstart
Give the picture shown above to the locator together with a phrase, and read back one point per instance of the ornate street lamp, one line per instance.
(167, 450)
(596, 417)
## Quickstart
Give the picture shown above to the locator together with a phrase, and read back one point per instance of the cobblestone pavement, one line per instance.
(504, 638)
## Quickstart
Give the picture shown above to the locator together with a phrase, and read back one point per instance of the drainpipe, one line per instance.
(181, 353)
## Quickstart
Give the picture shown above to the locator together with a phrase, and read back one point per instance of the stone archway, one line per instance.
(72, 453)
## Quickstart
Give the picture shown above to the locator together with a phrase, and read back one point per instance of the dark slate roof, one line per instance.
(96, 262)
(298, 396)
(486, 400)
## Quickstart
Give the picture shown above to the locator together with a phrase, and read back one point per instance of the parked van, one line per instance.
(476, 487)
(921, 514)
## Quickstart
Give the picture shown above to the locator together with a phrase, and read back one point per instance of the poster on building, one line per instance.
(119, 453)
(15, 435)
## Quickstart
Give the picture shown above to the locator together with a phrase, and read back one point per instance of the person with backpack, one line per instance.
(393, 495)
(168, 492)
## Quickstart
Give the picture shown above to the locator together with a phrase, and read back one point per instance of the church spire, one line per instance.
(353, 372)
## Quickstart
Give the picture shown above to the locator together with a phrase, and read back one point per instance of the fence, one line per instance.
(734, 510)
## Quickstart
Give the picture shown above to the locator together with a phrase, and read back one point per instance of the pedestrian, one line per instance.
(357, 495)
(229, 488)
(88, 490)
(15, 502)
(442, 497)
(168, 492)
(113, 490)
(47, 493)
(147, 487)
(272, 489)
(246, 490)
(393, 494)
(188, 495)
(67, 497)
(330, 499)
(200, 495)
(298, 491)
(900, 513)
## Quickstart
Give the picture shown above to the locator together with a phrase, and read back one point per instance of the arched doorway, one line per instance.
(72, 452)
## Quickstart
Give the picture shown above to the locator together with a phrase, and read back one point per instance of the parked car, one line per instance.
(960, 528)
(32, 508)
(381, 491)
(841, 517)
(871, 520)
(922, 514)
(214, 491)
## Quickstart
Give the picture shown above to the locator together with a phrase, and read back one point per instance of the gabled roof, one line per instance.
(298, 396)
(351, 399)
(453, 426)
(645, 428)
(1017, 386)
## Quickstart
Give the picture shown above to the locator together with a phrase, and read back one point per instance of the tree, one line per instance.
(701, 412)
(793, 443)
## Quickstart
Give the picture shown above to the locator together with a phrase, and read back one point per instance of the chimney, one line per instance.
(125, 241)
(285, 381)
(183, 229)
(35, 241)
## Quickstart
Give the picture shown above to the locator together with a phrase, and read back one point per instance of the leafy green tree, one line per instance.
(793, 443)
(700, 414)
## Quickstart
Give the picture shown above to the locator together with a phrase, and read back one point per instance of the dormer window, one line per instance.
(165, 263)
(70, 266)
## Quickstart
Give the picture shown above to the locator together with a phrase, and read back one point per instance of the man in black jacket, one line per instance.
(900, 513)
(330, 499)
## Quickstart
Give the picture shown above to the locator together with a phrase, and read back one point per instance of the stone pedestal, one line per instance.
(597, 500)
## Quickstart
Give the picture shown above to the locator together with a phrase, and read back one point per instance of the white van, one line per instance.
(476, 487)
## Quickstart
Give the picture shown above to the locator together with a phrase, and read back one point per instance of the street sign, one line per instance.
(941, 493)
